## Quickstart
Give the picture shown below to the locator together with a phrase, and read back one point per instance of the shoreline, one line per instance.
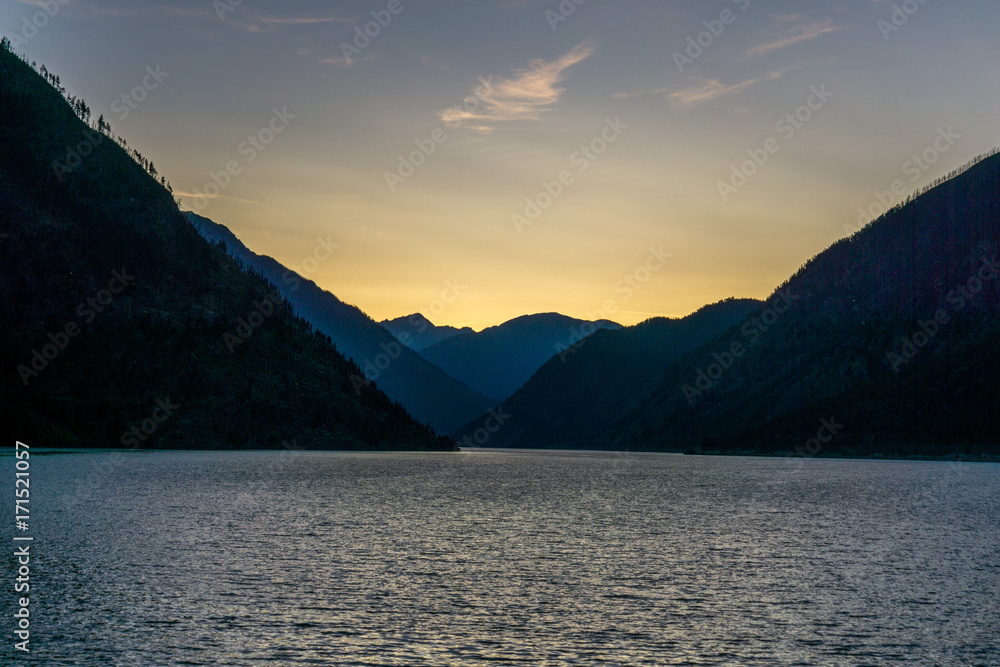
(949, 458)
(854, 456)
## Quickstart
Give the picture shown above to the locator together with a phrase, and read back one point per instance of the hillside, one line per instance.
(576, 398)
(424, 390)
(121, 326)
(892, 333)
(498, 360)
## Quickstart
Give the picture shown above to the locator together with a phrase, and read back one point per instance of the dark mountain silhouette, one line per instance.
(427, 392)
(417, 332)
(498, 360)
(576, 398)
(888, 344)
(121, 326)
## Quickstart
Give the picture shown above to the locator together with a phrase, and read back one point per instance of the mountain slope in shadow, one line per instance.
(121, 327)
(886, 343)
(426, 391)
(575, 399)
(498, 360)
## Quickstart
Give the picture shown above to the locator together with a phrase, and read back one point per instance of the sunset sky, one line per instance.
(630, 125)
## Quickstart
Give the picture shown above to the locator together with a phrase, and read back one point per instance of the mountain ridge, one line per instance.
(834, 353)
(123, 327)
(578, 395)
(498, 360)
(427, 392)
(417, 332)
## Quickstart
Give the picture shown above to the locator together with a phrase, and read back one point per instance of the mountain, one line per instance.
(498, 360)
(121, 327)
(427, 392)
(886, 343)
(576, 398)
(417, 332)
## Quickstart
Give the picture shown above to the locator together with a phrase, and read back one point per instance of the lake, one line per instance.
(514, 558)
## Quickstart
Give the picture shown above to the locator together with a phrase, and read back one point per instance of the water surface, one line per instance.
(516, 558)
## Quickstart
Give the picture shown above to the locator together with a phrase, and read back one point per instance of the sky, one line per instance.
(479, 160)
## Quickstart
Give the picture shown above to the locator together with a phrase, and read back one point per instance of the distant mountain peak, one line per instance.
(498, 360)
(417, 332)
(576, 397)
(427, 392)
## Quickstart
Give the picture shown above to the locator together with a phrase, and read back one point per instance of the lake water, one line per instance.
(508, 558)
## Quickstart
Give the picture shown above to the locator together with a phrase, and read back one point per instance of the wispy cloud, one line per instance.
(343, 62)
(241, 18)
(191, 195)
(707, 90)
(90, 10)
(300, 20)
(254, 22)
(798, 33)
(642, 93)
(523, 96)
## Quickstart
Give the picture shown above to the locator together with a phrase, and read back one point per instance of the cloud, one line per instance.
(343, 62)
(796, 34)
(707, 90)
(236, 16)
(300, 20)
(523, 96)
(191, 195)
(89, 10)
(641, 93)
(263, 23)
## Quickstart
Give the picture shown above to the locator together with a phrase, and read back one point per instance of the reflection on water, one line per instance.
(484, 558)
